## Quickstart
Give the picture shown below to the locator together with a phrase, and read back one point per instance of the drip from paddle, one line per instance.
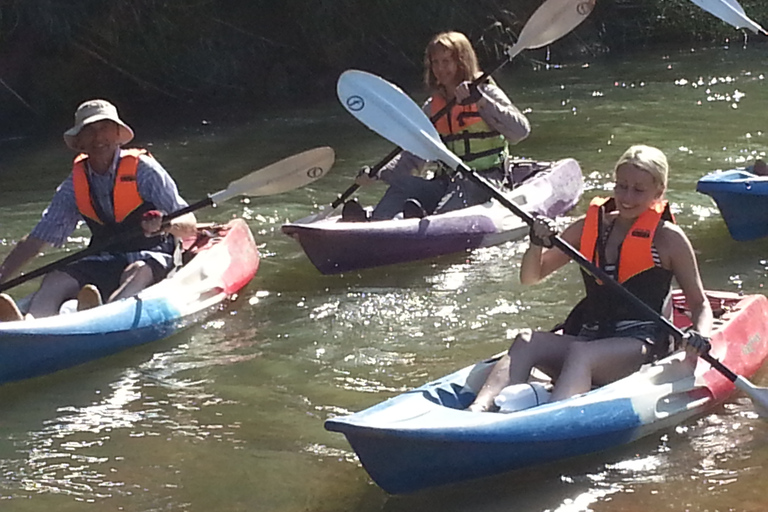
(388, 111)
(287, 174)
(551, 21)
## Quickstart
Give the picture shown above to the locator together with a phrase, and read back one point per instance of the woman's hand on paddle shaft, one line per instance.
(364, 177)
(466, 93)
(543, 230)
(695, 342)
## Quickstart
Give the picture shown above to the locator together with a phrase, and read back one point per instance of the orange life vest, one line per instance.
(635, 255)
(636, 270)
(125, 194)
(467, 135)
(459, 118)
(127, 207)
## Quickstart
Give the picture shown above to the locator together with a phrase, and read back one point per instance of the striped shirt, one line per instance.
(61, 217)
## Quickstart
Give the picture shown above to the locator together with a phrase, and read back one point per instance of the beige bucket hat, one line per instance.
(92, 111)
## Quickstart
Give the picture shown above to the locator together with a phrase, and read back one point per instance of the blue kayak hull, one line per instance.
(413, 459)
(224, 262)
(742, 199)
(426, 437)
(42, 351)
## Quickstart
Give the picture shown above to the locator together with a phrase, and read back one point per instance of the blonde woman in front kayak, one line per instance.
(633, 238)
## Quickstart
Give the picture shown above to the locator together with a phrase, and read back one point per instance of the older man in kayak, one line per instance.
(120, 194)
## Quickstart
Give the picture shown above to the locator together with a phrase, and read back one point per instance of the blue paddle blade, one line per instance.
(731, 12)
(388, 111)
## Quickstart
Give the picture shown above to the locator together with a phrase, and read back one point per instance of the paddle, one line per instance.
(551, 21)
(731, 12)
(287, 174)
(387, 110)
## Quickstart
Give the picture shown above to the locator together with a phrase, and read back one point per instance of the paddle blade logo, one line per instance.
(315, 172)
(585, 8)
(355, 103)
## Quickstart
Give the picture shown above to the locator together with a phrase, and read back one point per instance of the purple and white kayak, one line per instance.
(334, 246)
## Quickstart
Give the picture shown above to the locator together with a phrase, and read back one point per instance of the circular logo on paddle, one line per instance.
(355, 103)
(584, 8)
(315, 172)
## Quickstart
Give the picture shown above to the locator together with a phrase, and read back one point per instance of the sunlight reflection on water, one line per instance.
(229, 414)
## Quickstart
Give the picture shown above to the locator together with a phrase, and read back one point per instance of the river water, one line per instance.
(229, 415)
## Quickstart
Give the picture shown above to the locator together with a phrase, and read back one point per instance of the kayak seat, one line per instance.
(206, 234)
(720, 304)
(457, 397)
(520, 171)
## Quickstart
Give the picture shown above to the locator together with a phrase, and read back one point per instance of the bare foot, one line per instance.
(88, 297)
(9, 311)
(478, 407)
(760, 168)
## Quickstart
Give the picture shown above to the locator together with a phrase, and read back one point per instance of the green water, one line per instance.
(228, 416)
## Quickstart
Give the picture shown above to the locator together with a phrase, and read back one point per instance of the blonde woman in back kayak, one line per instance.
(478, 128)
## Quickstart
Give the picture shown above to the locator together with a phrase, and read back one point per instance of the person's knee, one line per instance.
(138, 271)
(521, 343)
(60, 283)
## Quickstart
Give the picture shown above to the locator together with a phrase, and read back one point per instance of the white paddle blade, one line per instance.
(388, 111)
(758, 395)
(551, 21)
(731, 12)
(287, 174)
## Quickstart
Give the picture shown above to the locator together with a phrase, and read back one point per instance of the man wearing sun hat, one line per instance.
(115, 191)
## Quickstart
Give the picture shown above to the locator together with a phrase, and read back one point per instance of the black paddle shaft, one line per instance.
(90, 250)
(376, 169)
(596, 272)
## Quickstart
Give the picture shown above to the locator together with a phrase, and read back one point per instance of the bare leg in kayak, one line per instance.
(527, 350)
(598, 362)
(497, 380)
(135, 277)
(56, 288)
(580, 364)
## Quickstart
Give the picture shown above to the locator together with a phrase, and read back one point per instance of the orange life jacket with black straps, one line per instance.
(127, 207)
(636, 269)
(466, 134)
(635, 255)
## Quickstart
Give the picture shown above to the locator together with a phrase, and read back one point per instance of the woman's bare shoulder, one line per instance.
(572, 233)
(671, 237)
(576, 226)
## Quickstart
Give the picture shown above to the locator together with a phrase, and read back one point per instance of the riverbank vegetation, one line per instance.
(191, 52)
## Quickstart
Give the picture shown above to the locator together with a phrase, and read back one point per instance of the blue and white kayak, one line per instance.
(742, 198)
(223, 260)
(426, 437)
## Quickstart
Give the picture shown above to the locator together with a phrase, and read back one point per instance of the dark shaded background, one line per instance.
(162, 56)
